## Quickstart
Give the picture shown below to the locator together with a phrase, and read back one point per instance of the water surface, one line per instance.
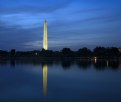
(60, 81)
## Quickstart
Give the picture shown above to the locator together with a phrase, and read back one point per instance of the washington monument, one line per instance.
(45, 36)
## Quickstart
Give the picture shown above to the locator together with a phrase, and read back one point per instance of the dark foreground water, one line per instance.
(65, 81)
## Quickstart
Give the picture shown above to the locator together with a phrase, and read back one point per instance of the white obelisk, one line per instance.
(45, 37)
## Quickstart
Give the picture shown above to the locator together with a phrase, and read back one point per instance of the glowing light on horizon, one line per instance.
(95, 58)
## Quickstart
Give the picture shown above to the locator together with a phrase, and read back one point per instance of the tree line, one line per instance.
(98, 52)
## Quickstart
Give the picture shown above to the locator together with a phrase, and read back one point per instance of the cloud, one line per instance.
(33, 44)
(45, 6)
(15, 36)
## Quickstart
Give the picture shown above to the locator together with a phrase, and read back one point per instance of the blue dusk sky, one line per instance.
(71, 23)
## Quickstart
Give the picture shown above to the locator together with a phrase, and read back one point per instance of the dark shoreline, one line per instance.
(59, 58)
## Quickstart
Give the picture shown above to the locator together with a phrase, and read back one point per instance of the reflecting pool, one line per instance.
(60, 81)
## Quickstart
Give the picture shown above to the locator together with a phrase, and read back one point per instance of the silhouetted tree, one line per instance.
(84, 52)
(102, 52)
(46, 53)
(99, 52)
(3, 53)
(12, 52)
(114, 52)
(66, 52)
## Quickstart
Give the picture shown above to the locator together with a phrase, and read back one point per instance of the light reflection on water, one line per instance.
(84, 64)
(45, 71)
(66, 81)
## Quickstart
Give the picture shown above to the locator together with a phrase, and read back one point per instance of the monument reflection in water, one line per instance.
(45, 71)
(69, 81)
